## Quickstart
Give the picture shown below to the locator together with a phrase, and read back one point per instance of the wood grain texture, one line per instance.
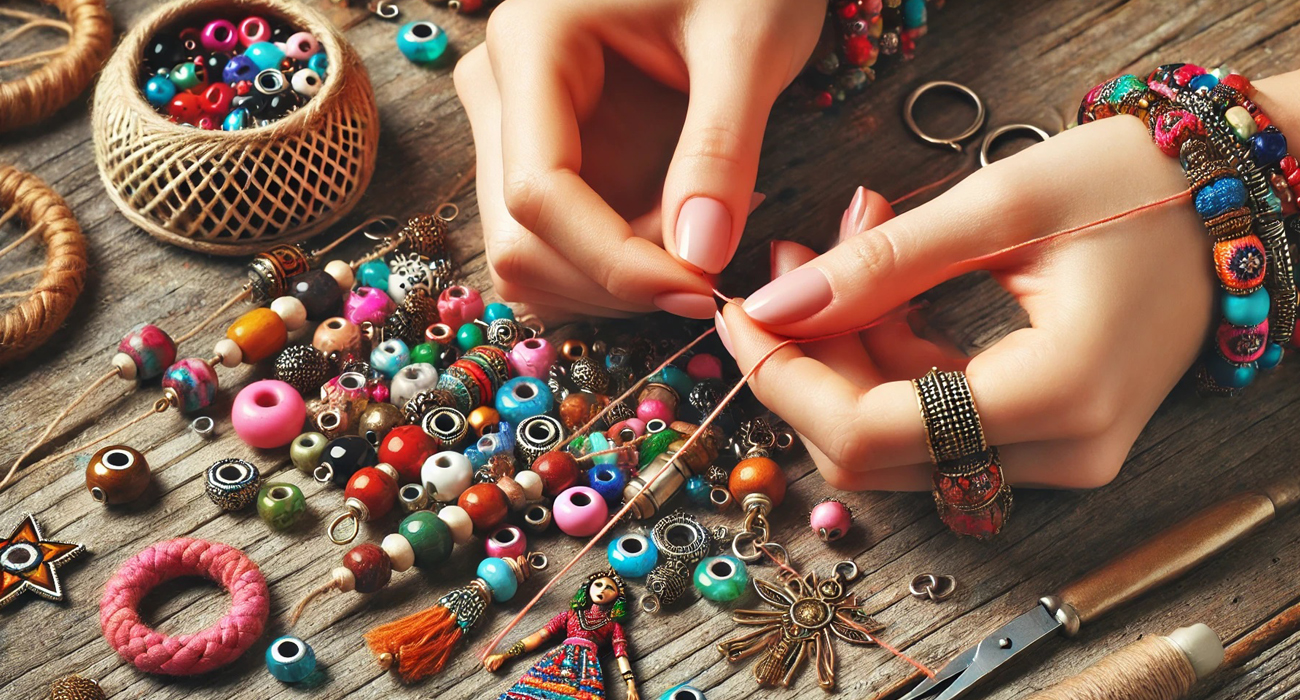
(1031, 60)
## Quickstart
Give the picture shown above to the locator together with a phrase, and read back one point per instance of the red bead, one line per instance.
(758, 475)
(206, 123)
(824, 99)
(1262, 121)
(1184, 74)
(859, 51)
(848, 10)
(376, 490)
(468, 6)
(406, 447)
(559, 471)
(370, 567)
(243, 87)
(215, 99)
(487, 506)
(185, 107)
(1238, 82)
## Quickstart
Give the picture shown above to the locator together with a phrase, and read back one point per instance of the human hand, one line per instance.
(1117, 315)
(493, 662)
(618, 143)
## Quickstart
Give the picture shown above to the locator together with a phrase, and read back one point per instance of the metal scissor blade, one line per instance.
(963, 673)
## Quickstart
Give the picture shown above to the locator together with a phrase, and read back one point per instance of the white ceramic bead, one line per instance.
(531, 483)
(462, 528)
(291, 311)
(125, 366)
(306, 82)
(411, 380)
(229, 352)
(399, 551)
(341, 272)
(343, 579)
(446, 475)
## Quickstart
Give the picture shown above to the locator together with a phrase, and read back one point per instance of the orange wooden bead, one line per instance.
(758, 475)
(260, 333)
(483, 419)
(337, 335)
(487, 506)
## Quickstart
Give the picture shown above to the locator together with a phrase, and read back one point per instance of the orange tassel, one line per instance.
(418, 645)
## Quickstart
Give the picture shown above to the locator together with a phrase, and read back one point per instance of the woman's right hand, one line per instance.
(493, 662)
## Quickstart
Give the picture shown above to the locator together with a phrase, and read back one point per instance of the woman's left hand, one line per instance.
(1117, 315)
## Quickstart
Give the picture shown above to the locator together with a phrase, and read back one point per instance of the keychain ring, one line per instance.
(953, 142)
(1001, 131)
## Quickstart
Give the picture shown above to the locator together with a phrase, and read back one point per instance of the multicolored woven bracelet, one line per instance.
(857, 34)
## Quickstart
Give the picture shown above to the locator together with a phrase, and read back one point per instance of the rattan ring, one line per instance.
(29, 324)
(44, 91)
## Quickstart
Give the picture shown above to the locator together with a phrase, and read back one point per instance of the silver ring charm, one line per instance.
(1001, 131)
(204, 427)
(953, 142)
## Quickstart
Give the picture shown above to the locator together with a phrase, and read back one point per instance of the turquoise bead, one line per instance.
(422, 42)
(683, 692)
(237, 119)
(159, 91)
(390, 356)
(265, 55)
(498, 310)
(675, 378)
(290, 659)
(1271, 357)
(319, 63)
(469, 337)
(721, 579)
(499, 577)
(373, 273)
(597, 442)
(1247, 309)
(523, 397)
(632, 555)
(913, 14)
(1229, 375)
(698, 489)
(608, 481)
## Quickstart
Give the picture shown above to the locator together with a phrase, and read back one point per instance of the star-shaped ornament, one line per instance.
(29, 562)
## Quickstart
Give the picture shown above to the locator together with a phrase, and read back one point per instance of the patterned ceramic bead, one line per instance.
(422, 42)
(290, 660)
(411, 380)
(580, 512)
(268, 414)
(368, 305)
(193, 382)
(458, 305)
(280, 505)
(721, 579)
(500, 577)
(389, 357)
(260, 333)
(370, 567)
(506, 542)
(532, 358)
(523, 397)
(149, 349)
(232, 483)
(632, 555)
(430, 538)
(537, 435)
(117, 474)
(1241, 345)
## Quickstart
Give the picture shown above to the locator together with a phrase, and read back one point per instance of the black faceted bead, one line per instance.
(318, 292)
(343, 457)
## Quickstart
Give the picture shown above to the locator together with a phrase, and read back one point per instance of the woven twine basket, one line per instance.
(236, 192)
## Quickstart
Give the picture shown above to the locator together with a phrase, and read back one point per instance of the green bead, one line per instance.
(429, 536)
(185, 75)
(424, 352)
(721, 579)
(656, 445)
(280, 505)
(1239, 120)
(305, 451)
(469, 337)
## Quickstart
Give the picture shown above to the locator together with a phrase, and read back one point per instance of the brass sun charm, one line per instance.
(809, 610)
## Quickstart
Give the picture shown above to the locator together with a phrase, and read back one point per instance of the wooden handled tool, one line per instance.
(1152, 668)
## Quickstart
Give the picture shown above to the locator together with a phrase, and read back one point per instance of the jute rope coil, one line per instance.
(236, 192)
(1153, 668)
(27, 325)
(68, 72)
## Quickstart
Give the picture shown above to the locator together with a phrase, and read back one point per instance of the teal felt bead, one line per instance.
(265, 55)
(498, 310)
(319, 63)
(373, 273)
(913, 14)
(499, 577)
(1229, 375)
(1246, 309)
(523, 397)
(721, 579)
(469, 337)
(290, 659)
(422, 42)
(160, 90)
(632, 555)
(1271, 357)
(675, 378)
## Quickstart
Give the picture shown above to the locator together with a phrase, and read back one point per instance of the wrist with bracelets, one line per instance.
(857, 34)
(1186, 122)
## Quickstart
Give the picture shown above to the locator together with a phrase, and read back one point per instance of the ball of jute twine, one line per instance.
(29, 324)
(69, 69)
(236, 192)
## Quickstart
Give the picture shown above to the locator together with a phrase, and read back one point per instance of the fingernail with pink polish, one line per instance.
(854, 215)
(704, 233)
(686, 304)
(791, 297)
(723, 335)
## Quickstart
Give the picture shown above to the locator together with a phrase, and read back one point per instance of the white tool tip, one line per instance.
(1202, 647)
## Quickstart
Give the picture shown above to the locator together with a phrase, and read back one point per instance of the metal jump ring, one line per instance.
(349, 514)
(385, 9)
(747, 557)
(1001, 131)
(452, 210)
(932, 587)
(953, 142)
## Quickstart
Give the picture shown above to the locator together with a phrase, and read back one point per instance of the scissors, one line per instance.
(981, 115)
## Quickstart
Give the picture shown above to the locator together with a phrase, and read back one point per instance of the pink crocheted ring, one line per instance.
(187, 654)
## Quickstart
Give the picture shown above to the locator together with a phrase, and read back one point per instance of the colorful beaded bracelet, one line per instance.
(857, 34)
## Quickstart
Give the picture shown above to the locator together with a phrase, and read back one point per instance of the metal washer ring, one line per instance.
(1001, 131)
(954, 142)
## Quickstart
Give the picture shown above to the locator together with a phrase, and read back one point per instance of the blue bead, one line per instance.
(499, 577)
(497, 310)
(264, 55)
(1246, 309)
(675, 378)
(608, 482)
(721, 579)
(373, 273)
(236, 120)
(390, 356)
(632, 555)
(290, 659)
(523, 397)
(913, 14)
(239, 68)
(597, 442)
(422, 42)
(159, 91)
(502, 441)
(1219, 196)
(319, 63)
(1205, 81)
(1229, 375)
(698, 490)
(1271, 357)
(1269, 146)
(683, 692)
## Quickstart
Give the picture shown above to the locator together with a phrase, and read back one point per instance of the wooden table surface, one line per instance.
(1031, 60)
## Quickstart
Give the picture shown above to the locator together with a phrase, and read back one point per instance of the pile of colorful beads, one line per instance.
(232, 76)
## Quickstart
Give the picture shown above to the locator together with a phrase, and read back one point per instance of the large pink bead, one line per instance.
(704, 366)
(368, 305)
(580, 512)
(506, 542)
(220, 36)
(193, 382)
(268, 414)
(532, 358)
(301, 46)
(651, 409)
(830, 519)
(150, 348)
(636, 425)
(458, 305)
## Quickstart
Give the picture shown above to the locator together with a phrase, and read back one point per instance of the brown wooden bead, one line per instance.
(704, 452)
(559, 471)
(487, 506)
(483, 419)
(758, 475)
(579, 407)
(337, 335)
(260, 333)
(117, 474)
(370, 567)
